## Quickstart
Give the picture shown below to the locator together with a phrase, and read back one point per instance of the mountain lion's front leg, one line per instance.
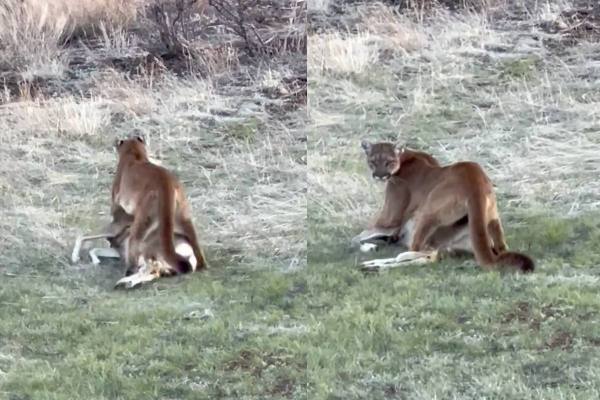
(395, 204)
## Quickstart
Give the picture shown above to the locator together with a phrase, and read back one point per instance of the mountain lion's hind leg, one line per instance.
(425, 227)
(138, 229)
(440, 209)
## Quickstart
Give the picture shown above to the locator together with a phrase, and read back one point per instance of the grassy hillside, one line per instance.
(513, 87)
(226, 115)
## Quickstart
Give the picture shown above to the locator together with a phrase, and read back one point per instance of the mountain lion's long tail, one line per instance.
(481, 241)
(166, 210)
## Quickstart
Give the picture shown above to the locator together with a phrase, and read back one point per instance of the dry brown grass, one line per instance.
(32, 32)
(42, 40)
(30, 39)
(83, 16)
(453, 4)
(335, 52)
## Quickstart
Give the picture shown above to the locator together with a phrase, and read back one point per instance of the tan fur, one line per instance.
(156, 200)
(445, 203)
(120, 228)
(117, 234)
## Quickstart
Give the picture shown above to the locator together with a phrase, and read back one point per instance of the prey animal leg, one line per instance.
(402, 259)
(79, 241)
(104, 252)
(147, 272)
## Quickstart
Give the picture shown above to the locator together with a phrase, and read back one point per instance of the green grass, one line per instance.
(451, 330)
(227, 333)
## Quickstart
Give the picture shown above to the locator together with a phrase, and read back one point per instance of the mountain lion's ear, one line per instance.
(366, 146)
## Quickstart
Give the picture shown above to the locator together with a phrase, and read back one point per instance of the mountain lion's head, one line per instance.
(383, 158)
